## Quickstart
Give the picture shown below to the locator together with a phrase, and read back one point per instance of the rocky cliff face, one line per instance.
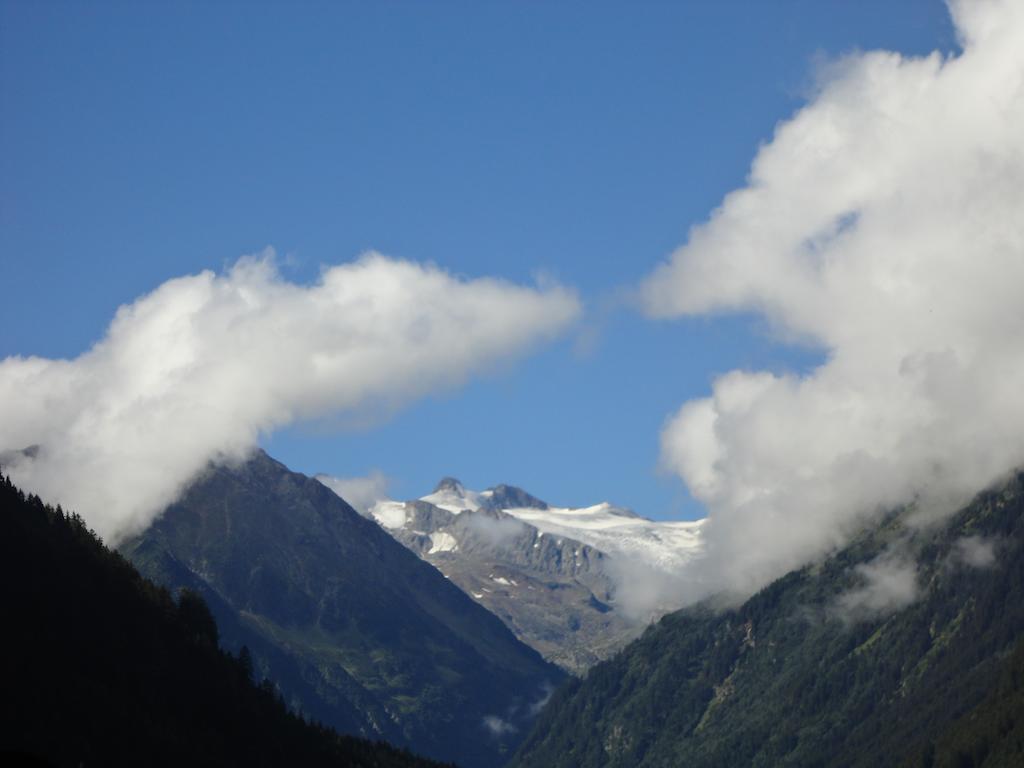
(554, 592)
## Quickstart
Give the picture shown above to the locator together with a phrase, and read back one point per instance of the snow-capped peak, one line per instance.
(449, 484)
(614, 530)
(450, 495)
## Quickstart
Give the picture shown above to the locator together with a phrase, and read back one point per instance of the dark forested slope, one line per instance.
(817, 669)
(102, 667)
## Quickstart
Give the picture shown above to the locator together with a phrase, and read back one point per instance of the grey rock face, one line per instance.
(448, 484)
(554, 593)
(510, 497)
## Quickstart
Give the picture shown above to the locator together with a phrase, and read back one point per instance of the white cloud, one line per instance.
(205, 364)
(360, 492)
(498, 726)
(496, 532)
(975, 551)
(547, 691)
(883, 224)
(888, 583)
(644, 591)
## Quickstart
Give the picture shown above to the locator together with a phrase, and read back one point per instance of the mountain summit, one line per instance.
(552, 574)
(358, 632)
(510, 497)
(449, 484)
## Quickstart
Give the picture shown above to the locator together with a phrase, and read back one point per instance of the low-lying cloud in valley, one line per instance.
(975, 552)
(887, 583)
(883, 224)
(198, 369)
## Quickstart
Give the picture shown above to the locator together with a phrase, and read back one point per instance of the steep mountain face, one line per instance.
(905, 648)
(534, 565)
(552, 593)
(357, 631)
(102, 667)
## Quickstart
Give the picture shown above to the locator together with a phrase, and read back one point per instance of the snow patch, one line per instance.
(454, 500)
(616, 531)
(390, 514)
(619, 532)
(442, 542)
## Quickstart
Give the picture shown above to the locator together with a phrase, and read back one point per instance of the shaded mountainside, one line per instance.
(355, 629)
(102, 667)
(812, 671)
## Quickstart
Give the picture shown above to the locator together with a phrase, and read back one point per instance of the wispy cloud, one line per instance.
(975, 551)
(360, 492)
(203, 365)
(888, 583)
(492, 530)
(498, 726)
(883, 224)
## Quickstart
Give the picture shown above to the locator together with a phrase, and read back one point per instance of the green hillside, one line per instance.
(800, 676)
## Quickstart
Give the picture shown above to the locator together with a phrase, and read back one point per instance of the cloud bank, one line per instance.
(883, 224)
(202, 366)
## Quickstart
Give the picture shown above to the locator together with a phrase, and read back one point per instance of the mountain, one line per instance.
(905, 648)
(614, 530)
(356, 630)
(102, 667)
(552, 593)
(549, 573)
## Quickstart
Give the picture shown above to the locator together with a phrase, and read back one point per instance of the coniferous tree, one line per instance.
(102, 667)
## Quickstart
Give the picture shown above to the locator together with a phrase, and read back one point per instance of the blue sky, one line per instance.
(143, 142)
